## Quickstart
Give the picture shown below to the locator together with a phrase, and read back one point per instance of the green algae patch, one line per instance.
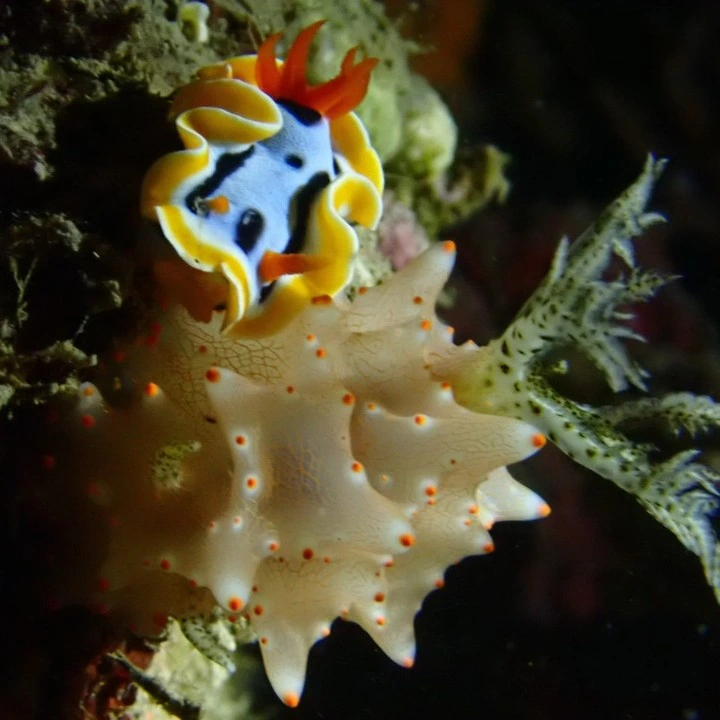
(41, 318)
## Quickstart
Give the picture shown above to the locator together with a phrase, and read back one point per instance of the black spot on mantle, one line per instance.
(305, 115)
(226, 165)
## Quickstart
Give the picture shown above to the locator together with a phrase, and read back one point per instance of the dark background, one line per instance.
(596, 612)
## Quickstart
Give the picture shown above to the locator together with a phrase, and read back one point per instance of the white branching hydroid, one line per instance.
(576, 307)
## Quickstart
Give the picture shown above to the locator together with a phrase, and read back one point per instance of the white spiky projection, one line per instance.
(318, 473)
(337, 467)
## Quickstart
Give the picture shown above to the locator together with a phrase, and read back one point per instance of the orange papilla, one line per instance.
(331, 99)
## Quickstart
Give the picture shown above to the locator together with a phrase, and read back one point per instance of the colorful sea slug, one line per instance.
(318, 473)
(296, 457)
(273, 171)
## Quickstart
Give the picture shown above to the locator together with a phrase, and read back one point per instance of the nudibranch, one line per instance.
(321, 472)
(336, 467)
(273, 172)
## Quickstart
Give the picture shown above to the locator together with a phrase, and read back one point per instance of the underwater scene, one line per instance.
(360, 359)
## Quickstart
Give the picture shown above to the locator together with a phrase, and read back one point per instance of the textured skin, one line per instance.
(272, 174)
(317, 473)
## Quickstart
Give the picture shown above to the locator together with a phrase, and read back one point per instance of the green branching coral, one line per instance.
(575, 307)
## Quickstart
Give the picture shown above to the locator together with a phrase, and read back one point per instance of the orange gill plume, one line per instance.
(331, 99)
